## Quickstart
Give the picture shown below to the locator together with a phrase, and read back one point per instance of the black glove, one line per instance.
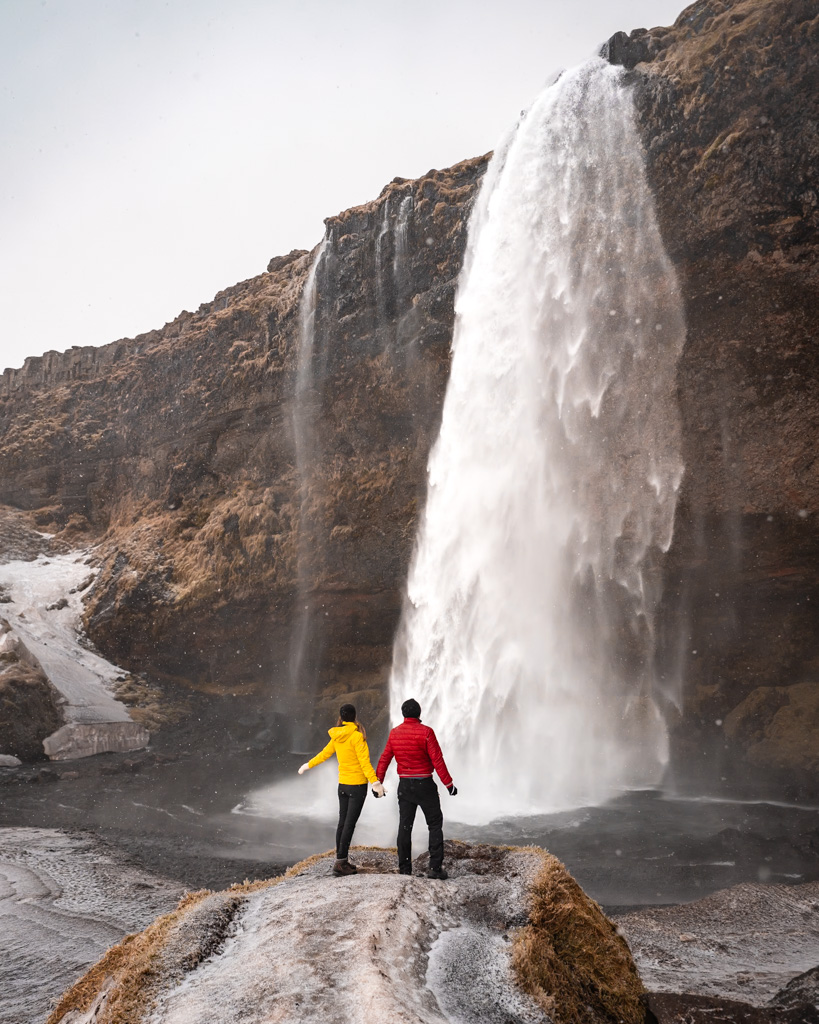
(453, 789)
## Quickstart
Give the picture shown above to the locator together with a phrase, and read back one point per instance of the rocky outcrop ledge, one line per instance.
(510, 937)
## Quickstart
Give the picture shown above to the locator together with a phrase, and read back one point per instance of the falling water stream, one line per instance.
(302, 665)
(529, 629)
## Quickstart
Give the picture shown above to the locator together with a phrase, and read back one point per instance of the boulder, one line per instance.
(28, 707)
(777, 727)
(509, 938)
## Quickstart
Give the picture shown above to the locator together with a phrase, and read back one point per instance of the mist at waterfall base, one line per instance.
(528, 631)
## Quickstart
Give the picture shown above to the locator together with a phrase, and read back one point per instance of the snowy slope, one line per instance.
(43, 607)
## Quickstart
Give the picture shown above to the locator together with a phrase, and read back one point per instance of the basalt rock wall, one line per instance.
(177, 453)
(729, 105)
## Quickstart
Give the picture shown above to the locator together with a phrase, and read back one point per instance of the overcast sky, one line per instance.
(155, 151)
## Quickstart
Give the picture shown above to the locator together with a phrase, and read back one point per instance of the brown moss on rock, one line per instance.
(777, 727)
(128, 972)
(571, 959)
(149, 704)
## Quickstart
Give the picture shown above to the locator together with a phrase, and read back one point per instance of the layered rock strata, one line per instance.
(728, 100)
(177, 451)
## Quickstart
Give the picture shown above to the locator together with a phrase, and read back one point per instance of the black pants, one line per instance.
(412, 794)
(350, 801)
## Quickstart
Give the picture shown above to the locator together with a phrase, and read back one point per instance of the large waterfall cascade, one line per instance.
(529, 628)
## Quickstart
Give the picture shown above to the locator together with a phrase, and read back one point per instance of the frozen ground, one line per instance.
(743, 943)
(375, 946)
(64, 899)
(43, 606)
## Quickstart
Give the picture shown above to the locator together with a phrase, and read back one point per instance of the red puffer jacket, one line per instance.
(416, 751)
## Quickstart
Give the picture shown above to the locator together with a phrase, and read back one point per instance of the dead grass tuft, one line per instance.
(570, 957)
(130, 964)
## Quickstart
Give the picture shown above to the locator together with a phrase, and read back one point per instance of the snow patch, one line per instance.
(44, 609)
(64, 900)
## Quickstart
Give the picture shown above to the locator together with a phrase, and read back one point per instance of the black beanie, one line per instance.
(347, 713)
(411, 708)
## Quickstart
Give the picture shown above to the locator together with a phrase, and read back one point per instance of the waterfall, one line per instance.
(528, 631)
(392, 270)
(303, 646)
(400, 260)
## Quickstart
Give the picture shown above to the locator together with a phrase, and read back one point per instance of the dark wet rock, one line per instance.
(629, 50)
(675, 1008)
(802, 990)
(28, 709)
(777, 727)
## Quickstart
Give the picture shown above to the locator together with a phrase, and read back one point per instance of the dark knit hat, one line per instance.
(347, 713)
(411, 708)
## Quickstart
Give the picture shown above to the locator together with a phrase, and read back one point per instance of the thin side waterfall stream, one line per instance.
(302, 670)
(529, 628)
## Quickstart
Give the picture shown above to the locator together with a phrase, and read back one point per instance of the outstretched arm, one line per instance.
(322, 755)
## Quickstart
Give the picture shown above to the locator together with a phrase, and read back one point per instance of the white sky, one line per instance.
(153, 152)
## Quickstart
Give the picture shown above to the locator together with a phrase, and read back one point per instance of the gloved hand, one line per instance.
(453, 789)
(378, 790)
(304, 767)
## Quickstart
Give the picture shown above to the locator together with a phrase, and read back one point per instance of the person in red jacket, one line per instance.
(416, 751)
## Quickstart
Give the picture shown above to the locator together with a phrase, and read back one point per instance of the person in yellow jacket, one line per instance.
(348, 741)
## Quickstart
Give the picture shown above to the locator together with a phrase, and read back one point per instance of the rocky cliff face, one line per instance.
(254, 495)
(729, 103)
(178, 455)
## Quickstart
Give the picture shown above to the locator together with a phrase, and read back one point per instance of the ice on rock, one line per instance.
(469, 974)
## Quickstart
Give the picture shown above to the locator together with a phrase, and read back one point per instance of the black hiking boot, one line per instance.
(344, 867)
(439, 873)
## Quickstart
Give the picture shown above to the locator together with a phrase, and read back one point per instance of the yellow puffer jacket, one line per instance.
(347, 743)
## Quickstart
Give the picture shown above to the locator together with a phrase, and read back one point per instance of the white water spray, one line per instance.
(528, 635)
